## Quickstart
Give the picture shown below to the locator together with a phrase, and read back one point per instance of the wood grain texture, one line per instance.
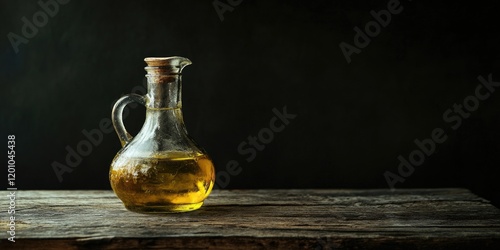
(260, 219)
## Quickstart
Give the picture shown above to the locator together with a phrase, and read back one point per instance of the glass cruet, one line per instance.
(161, 169)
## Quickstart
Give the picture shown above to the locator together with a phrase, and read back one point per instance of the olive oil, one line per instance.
(176, 182)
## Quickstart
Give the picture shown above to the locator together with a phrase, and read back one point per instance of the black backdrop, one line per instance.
(352, 120)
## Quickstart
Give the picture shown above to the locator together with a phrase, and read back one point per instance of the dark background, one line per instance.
(353, 120)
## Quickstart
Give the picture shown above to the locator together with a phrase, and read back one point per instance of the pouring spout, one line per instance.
(166, 65)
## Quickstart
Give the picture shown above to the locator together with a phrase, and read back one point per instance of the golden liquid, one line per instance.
(176, 183)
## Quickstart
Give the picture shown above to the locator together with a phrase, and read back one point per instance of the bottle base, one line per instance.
(162, 209)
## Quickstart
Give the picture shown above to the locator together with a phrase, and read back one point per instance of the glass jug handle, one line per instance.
(117, 116)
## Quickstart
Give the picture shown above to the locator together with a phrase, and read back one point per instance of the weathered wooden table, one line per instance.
(259, 219)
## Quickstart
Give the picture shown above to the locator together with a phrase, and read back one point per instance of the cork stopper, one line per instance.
(166, 65)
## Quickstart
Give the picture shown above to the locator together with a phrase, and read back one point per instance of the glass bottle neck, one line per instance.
(163, 106)
(164, 99)
(164, 92)
(165, 123)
